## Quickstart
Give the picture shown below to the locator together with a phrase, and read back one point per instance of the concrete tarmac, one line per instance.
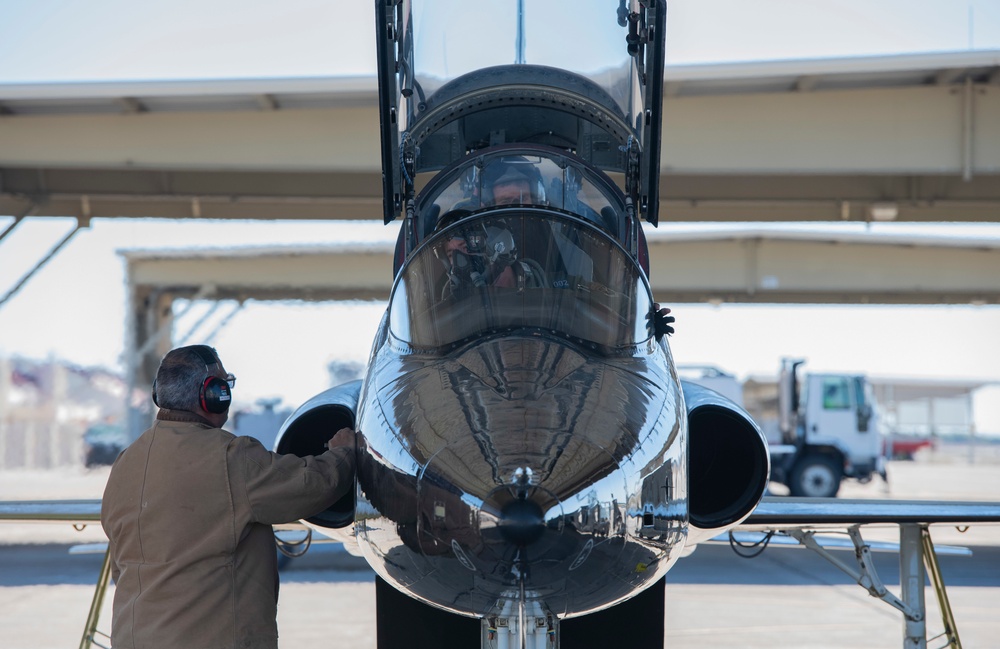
(787, 597)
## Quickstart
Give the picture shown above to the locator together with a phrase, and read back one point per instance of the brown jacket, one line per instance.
(188, 509)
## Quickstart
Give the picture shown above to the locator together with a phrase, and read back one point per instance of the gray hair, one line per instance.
(180, 376)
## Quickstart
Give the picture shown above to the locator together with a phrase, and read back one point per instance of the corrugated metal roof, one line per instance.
(806, 75)
(115, 97)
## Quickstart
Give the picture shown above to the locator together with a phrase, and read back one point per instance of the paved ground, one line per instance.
(784, 598)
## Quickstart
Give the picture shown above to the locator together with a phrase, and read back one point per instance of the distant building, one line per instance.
(48, 407)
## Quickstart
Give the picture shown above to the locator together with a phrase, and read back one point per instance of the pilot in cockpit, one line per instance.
(486, 255)
(490, 245)
(516, 181)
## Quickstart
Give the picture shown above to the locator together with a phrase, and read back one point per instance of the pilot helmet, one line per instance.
(512, 171)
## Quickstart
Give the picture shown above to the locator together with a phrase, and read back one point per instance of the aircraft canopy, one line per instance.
(520, 268)
(584, 76)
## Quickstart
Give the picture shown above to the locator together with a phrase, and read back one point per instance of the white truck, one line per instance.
(821, 428)
(830, 430)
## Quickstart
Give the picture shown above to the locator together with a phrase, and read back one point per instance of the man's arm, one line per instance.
(286, 488)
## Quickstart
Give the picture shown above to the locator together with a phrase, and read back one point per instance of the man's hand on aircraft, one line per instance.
(661, 321)
(343, 437)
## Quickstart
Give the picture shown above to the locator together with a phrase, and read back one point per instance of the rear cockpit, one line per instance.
(515, 175)
(553, 104)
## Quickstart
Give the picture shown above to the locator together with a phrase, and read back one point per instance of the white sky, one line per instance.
(74, 308)
(47, 40)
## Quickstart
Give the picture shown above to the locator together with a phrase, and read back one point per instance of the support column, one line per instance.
(94, 616)
(911, 583)
(968, 128)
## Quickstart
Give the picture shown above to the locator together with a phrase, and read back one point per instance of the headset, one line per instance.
(215, 395)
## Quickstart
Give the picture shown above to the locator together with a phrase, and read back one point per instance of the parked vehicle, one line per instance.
(102, 443)
(821, 428)
(904, 447)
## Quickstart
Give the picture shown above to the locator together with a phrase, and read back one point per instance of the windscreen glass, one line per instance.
(529, 178)
(518, 268)
(453, 38)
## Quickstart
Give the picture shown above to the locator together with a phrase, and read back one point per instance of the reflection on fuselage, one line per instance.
(521, 437)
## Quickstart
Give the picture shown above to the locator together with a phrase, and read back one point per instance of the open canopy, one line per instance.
(581, 76)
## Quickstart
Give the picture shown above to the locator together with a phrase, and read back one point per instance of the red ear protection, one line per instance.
(215, 396)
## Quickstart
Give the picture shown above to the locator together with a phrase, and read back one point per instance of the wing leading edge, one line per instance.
(817, 513)
(77, 512)
(772, 512)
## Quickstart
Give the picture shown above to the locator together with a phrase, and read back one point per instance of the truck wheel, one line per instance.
(815, 476)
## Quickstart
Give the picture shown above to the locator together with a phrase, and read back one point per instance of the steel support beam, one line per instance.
(811, 155)
(41, 262)
(751, 266)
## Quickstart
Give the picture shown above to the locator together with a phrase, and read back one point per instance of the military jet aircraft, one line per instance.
(529, 464)
(529, 459)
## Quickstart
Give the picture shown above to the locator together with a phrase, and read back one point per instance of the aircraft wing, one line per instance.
(776, 513)
(76, 512)
(771, 514)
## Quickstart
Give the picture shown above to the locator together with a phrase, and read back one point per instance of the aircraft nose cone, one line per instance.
(521, 522)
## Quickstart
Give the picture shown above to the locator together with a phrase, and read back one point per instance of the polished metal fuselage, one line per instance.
(521, 462)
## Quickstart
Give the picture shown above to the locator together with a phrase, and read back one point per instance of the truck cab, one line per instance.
(821, 428)
(831, 422)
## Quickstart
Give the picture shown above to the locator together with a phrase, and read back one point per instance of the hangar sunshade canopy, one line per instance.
(757, 265)
(907, 138)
